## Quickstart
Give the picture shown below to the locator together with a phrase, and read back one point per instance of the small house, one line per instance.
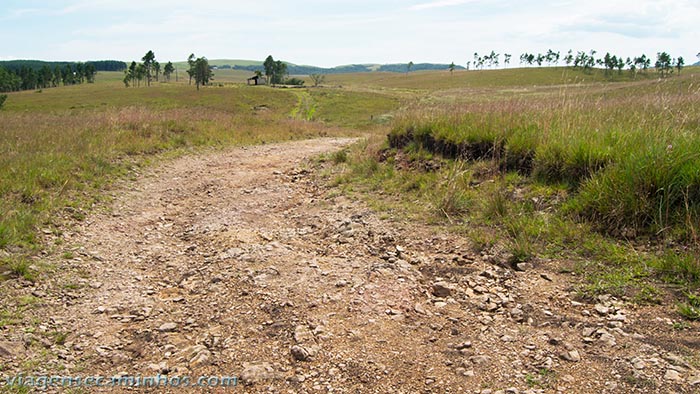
(257, 80)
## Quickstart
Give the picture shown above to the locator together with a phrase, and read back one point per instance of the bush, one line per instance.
(294, 81)
(3, 97)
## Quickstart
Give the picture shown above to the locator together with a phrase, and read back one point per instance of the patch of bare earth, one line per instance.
(239, 264)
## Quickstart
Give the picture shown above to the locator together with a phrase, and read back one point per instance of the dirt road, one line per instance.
(238, 264)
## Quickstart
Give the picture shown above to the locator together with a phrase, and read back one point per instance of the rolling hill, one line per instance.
(294, 69)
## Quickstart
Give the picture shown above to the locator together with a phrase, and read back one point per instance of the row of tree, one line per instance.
(149, 70)
(27, 78)
(665, 64)
(146, 72)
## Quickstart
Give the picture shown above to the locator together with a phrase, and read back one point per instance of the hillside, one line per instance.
(295, 69)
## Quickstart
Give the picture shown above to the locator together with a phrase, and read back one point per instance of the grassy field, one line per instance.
(61, 148)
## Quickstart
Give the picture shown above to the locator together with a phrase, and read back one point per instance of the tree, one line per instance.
(67, 75)
(168, 70)
(79, 72)
(280, 72)
(201, 72)
(408, 67)
(148, 64)
(620, 64)
(190, 69)
(275, 70)
(56, 79)
(9, 81)
(569, 58)
(506, 59)
(45, 77)
(680, 62)
(156, 68)
(452, 67)
(89, 72)
(140, 73)
(664, 64)
(269, 66)
(317, 79)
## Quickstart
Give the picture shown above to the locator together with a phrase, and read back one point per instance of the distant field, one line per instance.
(514, 77)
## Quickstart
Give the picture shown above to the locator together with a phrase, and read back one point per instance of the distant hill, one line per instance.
(696, 64)
(295, 69)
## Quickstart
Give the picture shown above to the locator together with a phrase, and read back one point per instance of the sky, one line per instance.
(329, 33)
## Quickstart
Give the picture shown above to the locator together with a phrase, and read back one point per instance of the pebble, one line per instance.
(601, 309)
(167, 327)
(638, 363)
(478, 360)
(442, 289)
(571, 355)
(257, 372)
(301, 353)
(673, 375)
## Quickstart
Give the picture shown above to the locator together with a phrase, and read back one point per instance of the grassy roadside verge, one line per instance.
(602, 181)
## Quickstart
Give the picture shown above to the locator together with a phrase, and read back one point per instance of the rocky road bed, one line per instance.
(238, 263)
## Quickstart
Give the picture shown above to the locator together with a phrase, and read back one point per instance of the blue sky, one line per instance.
(330, 33)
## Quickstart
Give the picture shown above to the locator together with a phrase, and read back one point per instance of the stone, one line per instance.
(302, 334)
(601, 309)
(571, 355)
(607, 339)
(478, 360)
(463, 345)
(301, 353)
(257, 372)
(442, 289)
(198, 356)
(10, 349)
(638, 363)
(673, 376)
(568, 379)
(420, 309)
(167, 327)
(588, 331)
(676, 360)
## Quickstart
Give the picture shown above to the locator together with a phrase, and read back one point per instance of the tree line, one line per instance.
(26, 78)
(665, 64)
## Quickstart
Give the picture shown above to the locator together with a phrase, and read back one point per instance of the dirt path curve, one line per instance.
(237, 264)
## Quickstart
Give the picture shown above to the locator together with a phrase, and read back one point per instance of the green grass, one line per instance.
(516, 79)
(629, 150)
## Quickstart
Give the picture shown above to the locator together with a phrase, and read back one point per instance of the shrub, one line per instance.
(294, 81)
(3, 97)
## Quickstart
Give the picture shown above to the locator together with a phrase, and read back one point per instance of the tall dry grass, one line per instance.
(630, 151)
